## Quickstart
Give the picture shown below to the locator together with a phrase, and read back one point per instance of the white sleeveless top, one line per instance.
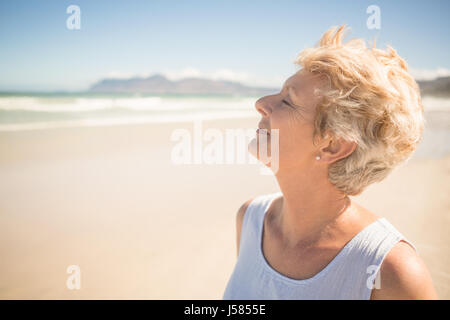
(350, 275)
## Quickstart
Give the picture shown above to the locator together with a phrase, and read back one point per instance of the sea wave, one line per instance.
(56, 111)
(39, 104)
(99, 122)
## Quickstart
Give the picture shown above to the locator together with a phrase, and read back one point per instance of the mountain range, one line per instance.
(439, 87)
(159, 84)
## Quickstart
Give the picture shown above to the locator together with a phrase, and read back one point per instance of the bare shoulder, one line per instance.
(403, 275)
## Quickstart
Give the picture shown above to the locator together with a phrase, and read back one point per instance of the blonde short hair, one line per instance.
(371, 100)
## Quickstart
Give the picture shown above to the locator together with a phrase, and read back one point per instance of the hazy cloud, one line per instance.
(429, 74)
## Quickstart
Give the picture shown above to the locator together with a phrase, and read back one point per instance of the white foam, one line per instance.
(61, 104)
(125, 121)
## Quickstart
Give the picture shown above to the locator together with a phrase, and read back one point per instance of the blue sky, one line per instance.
(250, 41)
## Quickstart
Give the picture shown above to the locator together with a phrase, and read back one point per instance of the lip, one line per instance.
(261, 126)
(259, 129)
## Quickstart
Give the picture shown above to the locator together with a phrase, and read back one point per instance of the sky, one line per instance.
(254, 42)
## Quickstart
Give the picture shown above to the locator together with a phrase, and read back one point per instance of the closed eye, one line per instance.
(296, 109)
(285, 102)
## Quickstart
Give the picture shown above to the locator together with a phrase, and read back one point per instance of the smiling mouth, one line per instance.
(259, 130)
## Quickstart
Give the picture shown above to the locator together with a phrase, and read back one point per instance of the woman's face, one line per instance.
(292, 112)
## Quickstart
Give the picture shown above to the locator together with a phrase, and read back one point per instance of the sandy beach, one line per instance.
(109, 200)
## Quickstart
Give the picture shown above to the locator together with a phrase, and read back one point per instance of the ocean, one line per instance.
(46, 111)
(20, 112)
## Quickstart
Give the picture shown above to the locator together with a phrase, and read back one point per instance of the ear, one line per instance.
(336, 149)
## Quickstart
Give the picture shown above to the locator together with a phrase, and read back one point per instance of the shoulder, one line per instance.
(403, 275)
(241, 212)
(274, 199)
(243, 209)
(239, 220)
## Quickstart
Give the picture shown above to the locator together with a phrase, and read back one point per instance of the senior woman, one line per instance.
(344, 121)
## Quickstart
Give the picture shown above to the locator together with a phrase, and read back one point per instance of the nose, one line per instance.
(263, 107)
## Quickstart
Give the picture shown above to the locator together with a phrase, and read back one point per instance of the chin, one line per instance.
(253, 150)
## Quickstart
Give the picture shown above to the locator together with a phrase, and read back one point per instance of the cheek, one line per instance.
(295, 140)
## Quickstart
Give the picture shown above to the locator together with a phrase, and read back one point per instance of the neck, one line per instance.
(311, 205)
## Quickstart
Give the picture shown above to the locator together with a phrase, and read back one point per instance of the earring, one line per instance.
(317, 157)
